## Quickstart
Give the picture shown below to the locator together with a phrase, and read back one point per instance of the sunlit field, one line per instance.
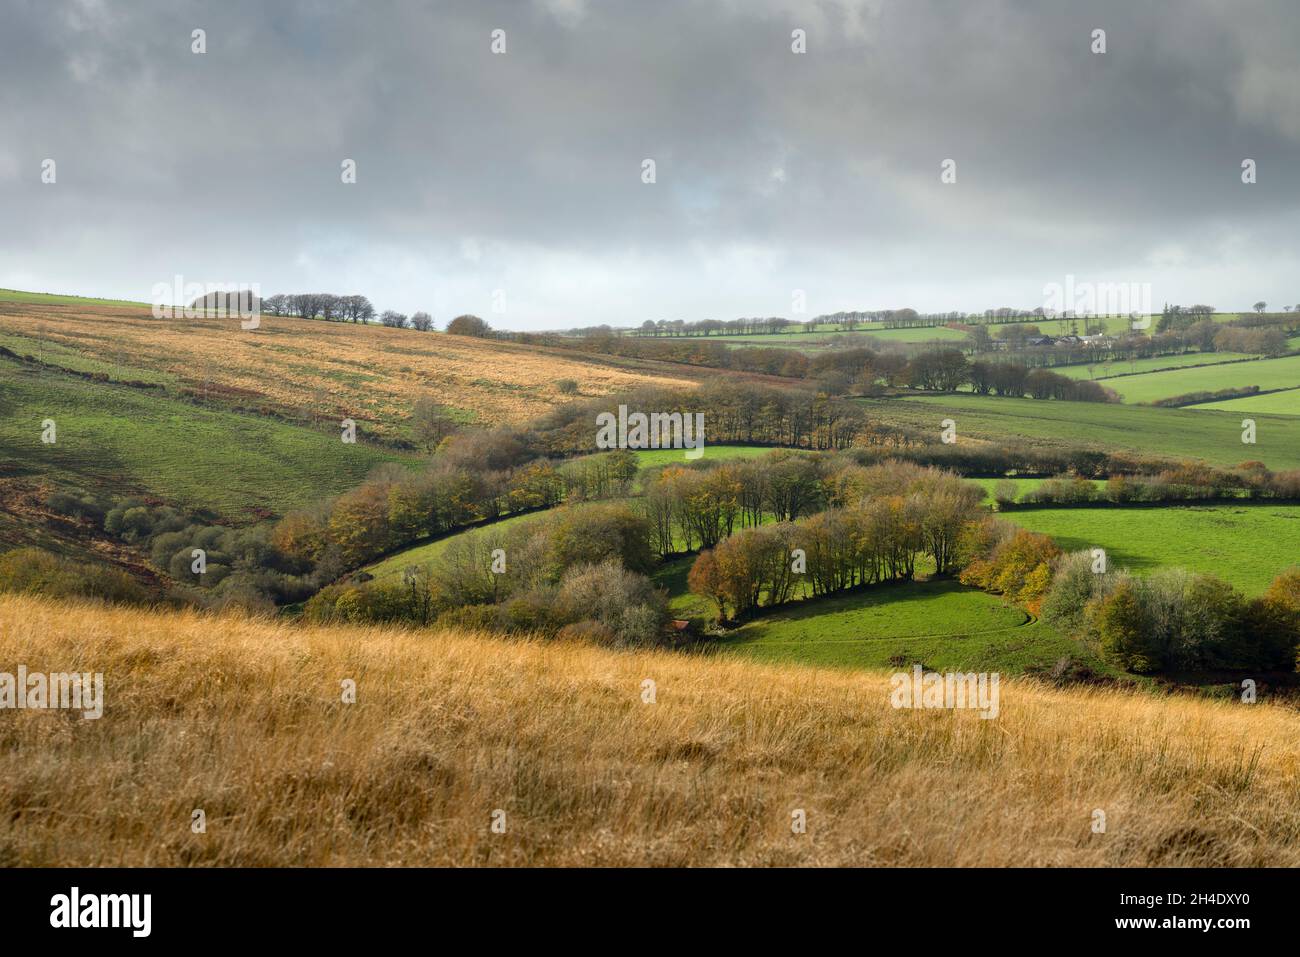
(244, 719)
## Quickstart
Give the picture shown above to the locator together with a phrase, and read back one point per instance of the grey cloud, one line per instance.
(775, 171)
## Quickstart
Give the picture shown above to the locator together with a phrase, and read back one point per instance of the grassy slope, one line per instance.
(50, 298)
(312, 370)
(1214, 436)
(1247, 545)
(131, 440)
(426, 554)
(1120, 369)
(1283, 373)
(938, 624)
(243, 719)
(1275, 403)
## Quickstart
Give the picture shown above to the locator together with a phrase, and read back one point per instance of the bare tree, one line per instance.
(357, 309)
(305, 304)
(1261, 306)
(394, 320)
(421, 321)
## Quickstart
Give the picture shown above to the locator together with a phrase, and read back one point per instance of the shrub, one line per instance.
(1074, 584)
(468, 326)
(1004, 494)
(588, 630)
(627, 604)
(1124, 632)
(34, 571)
(1018, 567)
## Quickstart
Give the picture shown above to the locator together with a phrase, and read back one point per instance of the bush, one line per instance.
(34, 571)
(567, 386)
(468, 326)
(588, 630)
(1074, 584)
(1124, 632)
(1018, 567)
(1004, 494)
(627, 604)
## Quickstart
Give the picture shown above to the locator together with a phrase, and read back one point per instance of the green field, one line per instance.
(428, 553)
(941, 625)
(1273, 403)
(650, 458)
(1246, 545)
(1114, 373)
(1211, 435)
(54, 299)
(131, 440)
(112, 368)
(1282, 373)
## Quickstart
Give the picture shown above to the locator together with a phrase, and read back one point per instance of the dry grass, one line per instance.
(243, 719)
(331, 370)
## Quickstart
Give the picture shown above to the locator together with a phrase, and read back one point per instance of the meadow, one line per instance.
(1213, 436)
(244, 719)
(132, 441)
(1120, 369)
(1245, 544)
(57, 299)
(1286, 402)
(1280, 373)
(423, 555)
(941, 625)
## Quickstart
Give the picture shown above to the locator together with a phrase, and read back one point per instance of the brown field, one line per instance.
(243, 719)
(321, 370)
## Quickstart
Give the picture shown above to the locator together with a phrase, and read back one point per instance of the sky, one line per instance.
(512, 184)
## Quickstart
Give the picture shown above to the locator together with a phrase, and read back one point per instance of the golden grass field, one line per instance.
(323, 370)
(243, 718)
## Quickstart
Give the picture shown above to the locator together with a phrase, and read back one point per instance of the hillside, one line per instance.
(319, 372)
(243, 719)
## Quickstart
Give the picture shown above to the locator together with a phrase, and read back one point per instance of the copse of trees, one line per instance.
(881, 522)
(329, 307)
(575, 572)
(948, 370)
(1186, 482)
(212, 566)
(474, 477)
(735, 413)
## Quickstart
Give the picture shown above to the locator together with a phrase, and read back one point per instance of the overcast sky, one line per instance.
(775, 171)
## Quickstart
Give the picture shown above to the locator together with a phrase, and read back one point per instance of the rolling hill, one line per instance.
(320, 372)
